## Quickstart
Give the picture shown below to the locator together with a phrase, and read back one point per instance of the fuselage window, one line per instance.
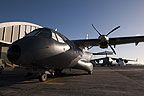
(60, 39)
(54, 36)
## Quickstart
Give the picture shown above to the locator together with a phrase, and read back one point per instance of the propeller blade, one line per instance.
(112, 48)
(113, 30)
(96, 29)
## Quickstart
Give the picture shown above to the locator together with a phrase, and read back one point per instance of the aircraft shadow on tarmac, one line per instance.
(11, 79)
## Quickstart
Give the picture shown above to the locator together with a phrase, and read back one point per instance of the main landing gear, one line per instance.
(43, 75)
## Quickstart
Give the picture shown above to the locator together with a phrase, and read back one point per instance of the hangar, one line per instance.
(12, 31)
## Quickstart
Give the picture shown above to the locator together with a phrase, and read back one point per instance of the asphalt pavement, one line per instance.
(105, 81)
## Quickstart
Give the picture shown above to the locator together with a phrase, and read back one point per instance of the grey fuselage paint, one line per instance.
(47, 53)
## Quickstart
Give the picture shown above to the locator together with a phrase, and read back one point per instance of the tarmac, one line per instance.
(105, 81)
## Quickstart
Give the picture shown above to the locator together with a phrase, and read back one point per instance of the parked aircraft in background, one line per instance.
(121, 61)
(45, 50)
(105, 61)
(108, 61)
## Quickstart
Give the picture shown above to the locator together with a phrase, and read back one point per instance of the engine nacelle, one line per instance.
(103, 45)
(125, 61)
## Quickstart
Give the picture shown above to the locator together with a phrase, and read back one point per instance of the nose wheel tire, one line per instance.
(42, 77)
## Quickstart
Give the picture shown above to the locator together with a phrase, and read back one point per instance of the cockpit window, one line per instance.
(60, 39)
(42, 32)
(54, 36)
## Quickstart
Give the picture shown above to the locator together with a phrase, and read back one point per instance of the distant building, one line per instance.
(12, 31)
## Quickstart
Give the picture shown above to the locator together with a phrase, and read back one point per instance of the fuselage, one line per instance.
(46, 48)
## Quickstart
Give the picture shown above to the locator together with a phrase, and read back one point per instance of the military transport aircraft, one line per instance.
(108, 61)
(48, 51)
(121, 61)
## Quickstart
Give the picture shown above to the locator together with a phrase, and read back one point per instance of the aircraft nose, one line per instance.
(14, 53)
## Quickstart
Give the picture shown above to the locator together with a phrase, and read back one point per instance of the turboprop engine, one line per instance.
(104, 40)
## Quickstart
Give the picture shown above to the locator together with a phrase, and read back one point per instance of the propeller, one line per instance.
(111, 48)
(96, 29)
(113, 30)
(104, 38)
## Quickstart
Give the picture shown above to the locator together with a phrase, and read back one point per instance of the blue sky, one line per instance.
(73, 18)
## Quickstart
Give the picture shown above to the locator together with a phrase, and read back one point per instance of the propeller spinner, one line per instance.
(105, 38)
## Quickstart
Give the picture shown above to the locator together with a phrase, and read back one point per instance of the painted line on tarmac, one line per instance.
(52, 83)
(29, 81)
(46, 82)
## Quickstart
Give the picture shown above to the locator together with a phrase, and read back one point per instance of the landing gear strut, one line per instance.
(43, 75)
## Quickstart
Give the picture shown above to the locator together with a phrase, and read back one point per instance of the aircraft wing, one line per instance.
(124, 59)
(4, 43)
(86, 42)
(112, 41)
(126, 40)
(131, 60)
(114, 58)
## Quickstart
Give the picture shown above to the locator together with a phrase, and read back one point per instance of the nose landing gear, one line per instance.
(42, 77)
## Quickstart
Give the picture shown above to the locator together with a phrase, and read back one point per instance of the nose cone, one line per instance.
(14, 53)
